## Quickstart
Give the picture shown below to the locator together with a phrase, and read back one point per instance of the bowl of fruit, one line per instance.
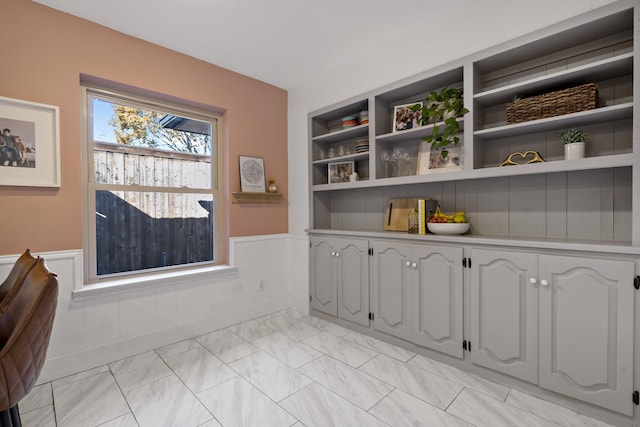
(441, 223)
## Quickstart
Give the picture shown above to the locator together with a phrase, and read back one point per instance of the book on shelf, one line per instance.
(426, 207)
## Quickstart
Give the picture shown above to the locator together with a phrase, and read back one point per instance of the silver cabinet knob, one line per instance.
(533, 280)
(544, 282)
(414, 265)
(333, 254)
(408, 263)
(337, 254)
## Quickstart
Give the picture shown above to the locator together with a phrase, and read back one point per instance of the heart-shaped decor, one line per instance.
(522, 158)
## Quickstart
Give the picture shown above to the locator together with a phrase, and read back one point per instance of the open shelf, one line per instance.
(256, 198)
(599, 70)
(583, 118)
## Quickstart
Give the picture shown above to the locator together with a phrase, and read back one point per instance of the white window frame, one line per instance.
(89, 203)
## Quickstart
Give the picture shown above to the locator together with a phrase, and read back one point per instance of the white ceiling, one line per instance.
(282, 42)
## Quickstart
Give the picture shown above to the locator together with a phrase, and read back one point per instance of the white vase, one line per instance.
(574, 151)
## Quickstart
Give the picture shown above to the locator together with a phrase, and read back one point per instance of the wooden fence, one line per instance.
(137, 230)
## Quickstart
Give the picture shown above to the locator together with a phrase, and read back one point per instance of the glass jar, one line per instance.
(413, 222)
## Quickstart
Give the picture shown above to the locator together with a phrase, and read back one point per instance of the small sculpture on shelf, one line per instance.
(272, 188)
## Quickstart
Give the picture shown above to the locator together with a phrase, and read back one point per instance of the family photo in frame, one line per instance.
(405, 118)
(29, 144)
(340, 172)
(432, 161)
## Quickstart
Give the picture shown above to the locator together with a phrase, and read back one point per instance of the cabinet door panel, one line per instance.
(437, 301)
(504, 312)
(353, 281)
(323, 276)
(586, 330)
(392, 289)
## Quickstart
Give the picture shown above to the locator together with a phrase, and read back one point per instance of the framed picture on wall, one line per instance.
(252, 174)
(29, 144)
(405, 118)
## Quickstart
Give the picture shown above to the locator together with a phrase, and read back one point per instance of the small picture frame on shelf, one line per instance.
(340, 172)
(405, 118)
(453, 161)
(424, 152)
(252, 174)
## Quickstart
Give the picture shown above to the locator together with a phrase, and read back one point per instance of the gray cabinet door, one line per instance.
(586, 329)
(353, 280)
(391, 288)
(323, 273)
(437, 298)
(504, 312)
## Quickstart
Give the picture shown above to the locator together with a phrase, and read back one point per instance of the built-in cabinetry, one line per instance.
(416, 293)
(558, 311)
(563, 322)
(560, 319)
(339, 271)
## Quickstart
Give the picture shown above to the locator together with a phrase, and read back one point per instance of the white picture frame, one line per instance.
(252, 174)
(424, 153)
(340, 172)
(453, 161)
(404, 118)
(37, 128)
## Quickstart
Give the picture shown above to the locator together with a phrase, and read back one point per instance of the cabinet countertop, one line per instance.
(511, 241)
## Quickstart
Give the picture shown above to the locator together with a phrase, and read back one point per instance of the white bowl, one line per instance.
(448, 227)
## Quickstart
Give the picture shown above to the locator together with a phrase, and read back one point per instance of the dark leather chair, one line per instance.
(25, 329)
(14, 280)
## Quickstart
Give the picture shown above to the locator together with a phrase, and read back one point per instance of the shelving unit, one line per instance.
(555, 245)
(596, 47)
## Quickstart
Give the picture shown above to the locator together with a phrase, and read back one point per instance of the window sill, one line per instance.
(119, 286)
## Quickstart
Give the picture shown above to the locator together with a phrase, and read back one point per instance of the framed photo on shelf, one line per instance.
(405, 118)
(252, 174)
(453, 161)
(340, 171)
(29, 144)
(424, 152)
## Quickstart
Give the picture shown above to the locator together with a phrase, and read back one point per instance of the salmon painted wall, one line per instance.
(44, 53)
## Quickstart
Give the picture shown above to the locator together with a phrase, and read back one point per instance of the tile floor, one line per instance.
(284, 369)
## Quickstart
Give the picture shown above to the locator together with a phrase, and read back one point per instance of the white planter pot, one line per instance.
(574, 151)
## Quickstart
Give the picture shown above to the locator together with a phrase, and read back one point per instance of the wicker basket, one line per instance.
(572, 100)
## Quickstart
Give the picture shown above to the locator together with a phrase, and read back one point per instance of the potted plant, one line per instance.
(573, 140)
(442, 109)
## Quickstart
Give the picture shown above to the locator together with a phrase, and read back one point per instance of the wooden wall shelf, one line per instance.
(246, 197)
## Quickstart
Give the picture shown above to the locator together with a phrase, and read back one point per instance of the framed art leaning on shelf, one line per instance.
(252, 174)
(340, 172)
(405, 117)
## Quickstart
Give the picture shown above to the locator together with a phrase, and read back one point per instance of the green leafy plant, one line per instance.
(442, 109)
(573, 135)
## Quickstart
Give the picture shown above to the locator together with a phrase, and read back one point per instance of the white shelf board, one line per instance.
(589, 163)
(412, 134)
(341, 135)
(596, 71)
(354, 157)
(582, 118)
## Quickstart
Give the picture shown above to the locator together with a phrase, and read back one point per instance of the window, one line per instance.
(151, 188)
